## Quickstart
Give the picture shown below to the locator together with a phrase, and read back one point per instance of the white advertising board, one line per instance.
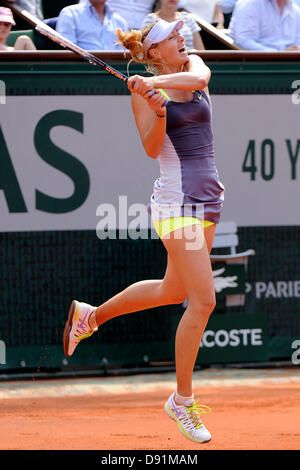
(64, 157)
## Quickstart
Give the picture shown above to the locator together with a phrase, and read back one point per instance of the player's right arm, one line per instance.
(147, 110)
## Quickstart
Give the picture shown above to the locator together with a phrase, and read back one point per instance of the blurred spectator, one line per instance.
(32, 6)
(6, 22)
(91, 25)
(208, 10)
(133, 11)
(266, 25)
(227, 6)
(168, 11)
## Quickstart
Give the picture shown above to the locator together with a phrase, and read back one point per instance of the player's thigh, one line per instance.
(209, 234)
(189, 252)
(172, 285)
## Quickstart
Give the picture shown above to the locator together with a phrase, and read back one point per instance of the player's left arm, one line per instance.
(196, 76)
(197, 65)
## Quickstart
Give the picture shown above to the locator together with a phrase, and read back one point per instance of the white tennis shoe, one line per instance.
(188, 419)
(77, 326)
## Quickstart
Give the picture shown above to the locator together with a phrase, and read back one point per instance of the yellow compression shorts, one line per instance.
(167, 226)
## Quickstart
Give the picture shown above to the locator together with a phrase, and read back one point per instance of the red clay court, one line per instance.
(251, 410)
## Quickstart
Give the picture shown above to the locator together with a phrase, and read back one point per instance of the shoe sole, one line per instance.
(68, 327)
(172, 416)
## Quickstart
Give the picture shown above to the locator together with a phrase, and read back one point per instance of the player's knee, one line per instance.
(203, 305)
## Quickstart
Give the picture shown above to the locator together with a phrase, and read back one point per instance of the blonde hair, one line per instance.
(133, 41)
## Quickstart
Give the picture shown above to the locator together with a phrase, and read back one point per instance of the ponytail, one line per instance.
(133, 41)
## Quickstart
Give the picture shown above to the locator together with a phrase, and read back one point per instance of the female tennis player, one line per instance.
(185, 206)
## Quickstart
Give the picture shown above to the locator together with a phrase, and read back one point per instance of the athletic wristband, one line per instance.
(160, 115)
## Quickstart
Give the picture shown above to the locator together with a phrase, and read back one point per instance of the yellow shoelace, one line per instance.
(86, 335)
(196, 410)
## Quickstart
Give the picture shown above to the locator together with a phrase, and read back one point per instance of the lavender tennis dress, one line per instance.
(188, 184)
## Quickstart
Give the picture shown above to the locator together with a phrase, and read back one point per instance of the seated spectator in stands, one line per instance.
(133, 11)
(32, 6)
(266, 25)
(6, 22)
(91, 25)
(168, 11)
(208, 10)
(227, 6)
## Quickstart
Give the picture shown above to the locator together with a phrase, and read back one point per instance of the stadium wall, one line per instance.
(70, 155)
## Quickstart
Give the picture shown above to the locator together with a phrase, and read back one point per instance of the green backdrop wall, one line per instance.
(41, 271)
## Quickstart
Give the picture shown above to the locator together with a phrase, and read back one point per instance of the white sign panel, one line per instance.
(257, 143)
(64, 157)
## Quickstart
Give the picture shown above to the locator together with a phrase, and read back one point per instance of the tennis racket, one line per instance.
(92, 59)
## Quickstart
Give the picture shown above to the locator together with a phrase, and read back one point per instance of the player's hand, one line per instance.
(140, 85)
(156, 101)
(144, 87)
